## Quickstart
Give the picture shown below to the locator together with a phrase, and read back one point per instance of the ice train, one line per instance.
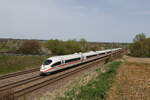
(60, 62)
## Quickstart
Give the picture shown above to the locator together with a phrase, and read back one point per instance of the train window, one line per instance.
(101, 53)
(109, 52)
(91, 56)
(70, 60)
(47, 62)
(55, 64)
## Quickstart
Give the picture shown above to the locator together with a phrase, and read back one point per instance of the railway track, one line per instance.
(18, 83)
(18, 73)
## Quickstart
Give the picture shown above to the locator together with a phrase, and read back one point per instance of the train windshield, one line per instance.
(47, 62)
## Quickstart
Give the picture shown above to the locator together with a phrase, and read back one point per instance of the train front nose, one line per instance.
(43, 68)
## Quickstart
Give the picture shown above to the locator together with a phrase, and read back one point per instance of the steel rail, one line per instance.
(18, 73)
(21, 82)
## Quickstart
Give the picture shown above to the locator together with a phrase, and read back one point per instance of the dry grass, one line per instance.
(137, 60)
(132, 81)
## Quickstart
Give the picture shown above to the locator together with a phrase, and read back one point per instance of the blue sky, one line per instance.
(94, 20)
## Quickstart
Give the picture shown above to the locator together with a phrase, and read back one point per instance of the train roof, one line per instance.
(102, 51)
(90, 53)
(78, 55)
(65, 57)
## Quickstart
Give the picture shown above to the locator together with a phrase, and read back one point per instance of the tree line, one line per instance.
(57, 47)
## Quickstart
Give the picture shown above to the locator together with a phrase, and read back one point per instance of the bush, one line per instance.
(30, 47)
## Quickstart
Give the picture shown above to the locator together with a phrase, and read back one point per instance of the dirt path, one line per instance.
(132, 81)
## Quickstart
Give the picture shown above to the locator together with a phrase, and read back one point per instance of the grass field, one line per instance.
(17, 63)
(132, 81)
(95, 89)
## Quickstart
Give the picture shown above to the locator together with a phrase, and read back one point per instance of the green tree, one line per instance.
(73, 46)
(140, 46)
(139, 37)
(57, 47)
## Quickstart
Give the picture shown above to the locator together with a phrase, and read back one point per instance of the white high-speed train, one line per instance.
(60, 62)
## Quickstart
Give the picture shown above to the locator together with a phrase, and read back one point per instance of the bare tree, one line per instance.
(30, 47)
